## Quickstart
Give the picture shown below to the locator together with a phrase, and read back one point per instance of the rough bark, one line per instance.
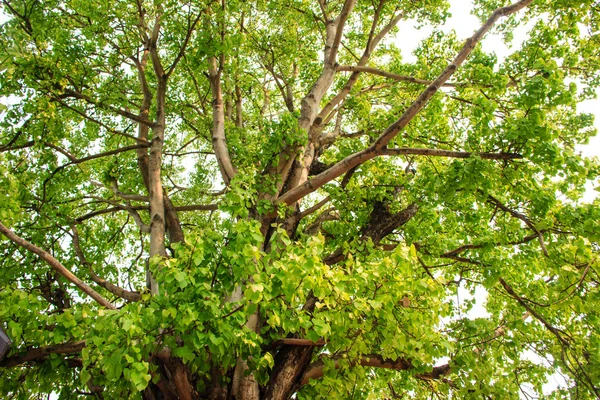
(381, 223)
(291, 363)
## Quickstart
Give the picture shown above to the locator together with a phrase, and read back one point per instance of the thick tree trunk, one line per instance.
(290, 364)
(155, 189)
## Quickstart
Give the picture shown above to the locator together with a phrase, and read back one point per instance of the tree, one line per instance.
(244, 200)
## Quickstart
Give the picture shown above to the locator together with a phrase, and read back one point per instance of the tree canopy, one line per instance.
(264, 200)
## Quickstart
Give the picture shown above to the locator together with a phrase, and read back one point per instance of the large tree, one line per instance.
(243, 200)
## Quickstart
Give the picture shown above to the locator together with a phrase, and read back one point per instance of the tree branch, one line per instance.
(41, 353)
(116, 191)
(191, 207)
(314, 208)
(428, 93)
(385, 74)
(184, 45)
(372, 43)
(114, 289)
(218, 130)
(534, 313)
(56, 265)
(133, 212)
(107, 153)
(341, 22)
(449, 153)
(316, 370)
(522, 217)
(379, 145)
(121, 112)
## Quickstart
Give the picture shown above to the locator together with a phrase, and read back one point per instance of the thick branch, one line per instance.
(41, 353)
(341, 22)
(376, 361)
(379, 145)
(218, 131)
(56, 265)
(424, 98)
(381, 223)
(371, 44)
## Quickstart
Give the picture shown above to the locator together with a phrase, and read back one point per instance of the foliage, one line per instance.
(319, 216)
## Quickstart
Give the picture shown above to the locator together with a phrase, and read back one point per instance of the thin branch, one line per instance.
(56, 265)
(17, 147)
(449, 153)
(191, 207)
(523, 218)
(116, 191)
(461, 249)
(121, 112)
(108, 153)
(534, 313)
(133, 212)
(184, 45)
(385, 74)
(114, 289)
(314, 208)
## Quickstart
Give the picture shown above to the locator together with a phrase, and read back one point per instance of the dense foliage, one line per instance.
(262, 199)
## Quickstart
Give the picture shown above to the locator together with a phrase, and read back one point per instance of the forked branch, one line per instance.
(114, 289)
(534, 313)
(391, 131)
(523, 218)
